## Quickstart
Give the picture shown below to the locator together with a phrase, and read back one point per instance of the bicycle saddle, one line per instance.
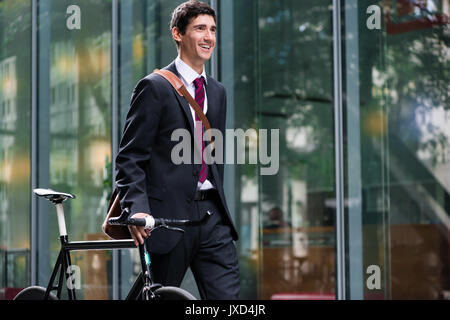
(52, 195)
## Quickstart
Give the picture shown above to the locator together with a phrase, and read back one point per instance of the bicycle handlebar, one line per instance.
(150, 222)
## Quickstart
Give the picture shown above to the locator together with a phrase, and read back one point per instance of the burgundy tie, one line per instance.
(200, 99)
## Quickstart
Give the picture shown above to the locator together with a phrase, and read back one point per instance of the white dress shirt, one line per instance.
(188, 75)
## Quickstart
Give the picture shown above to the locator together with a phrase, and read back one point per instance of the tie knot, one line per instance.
(198, 82)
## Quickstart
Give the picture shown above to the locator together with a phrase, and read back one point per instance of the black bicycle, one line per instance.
(143, 288)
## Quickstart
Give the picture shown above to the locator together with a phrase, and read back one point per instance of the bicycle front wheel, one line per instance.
(34, 293)
(173, 293)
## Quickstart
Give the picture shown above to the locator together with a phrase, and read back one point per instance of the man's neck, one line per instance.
(196, 67)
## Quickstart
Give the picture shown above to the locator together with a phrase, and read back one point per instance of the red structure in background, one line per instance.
(9, 293)
(406, 7)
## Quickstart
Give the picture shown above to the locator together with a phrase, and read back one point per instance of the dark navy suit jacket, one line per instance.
(147, 179)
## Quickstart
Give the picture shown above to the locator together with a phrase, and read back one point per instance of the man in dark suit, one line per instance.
(150, 183)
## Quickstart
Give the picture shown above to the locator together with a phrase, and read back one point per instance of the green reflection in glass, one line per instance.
(417, 94)
(282, 79)
(145, 43)
(401, 120)
(15, 117)
(75, 101)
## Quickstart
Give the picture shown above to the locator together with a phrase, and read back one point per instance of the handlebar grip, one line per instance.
(123, 220)
(182, 223)
(147, 222)
(138, 222)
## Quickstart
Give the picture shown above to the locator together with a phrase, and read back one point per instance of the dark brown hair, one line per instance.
(185, 12)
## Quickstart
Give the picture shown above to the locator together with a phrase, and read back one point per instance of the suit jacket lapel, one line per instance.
(212, 93)
(183, 102)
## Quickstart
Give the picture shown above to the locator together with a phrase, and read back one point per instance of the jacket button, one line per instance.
(189, 200)
(195, 173)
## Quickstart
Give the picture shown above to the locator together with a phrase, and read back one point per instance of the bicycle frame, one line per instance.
(63, 262)
(143, 287)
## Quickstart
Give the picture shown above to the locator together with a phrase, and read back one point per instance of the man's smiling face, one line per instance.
(198, 42)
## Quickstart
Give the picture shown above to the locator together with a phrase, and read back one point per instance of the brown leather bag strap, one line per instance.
(172, 78)
(182, 91)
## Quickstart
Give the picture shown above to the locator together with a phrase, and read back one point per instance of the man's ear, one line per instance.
(176, 34)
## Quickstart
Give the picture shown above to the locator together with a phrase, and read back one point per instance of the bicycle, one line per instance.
(143, 288)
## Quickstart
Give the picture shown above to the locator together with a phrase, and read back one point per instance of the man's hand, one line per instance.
(139, 233)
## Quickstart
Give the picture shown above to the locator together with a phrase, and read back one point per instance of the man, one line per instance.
(150, 183)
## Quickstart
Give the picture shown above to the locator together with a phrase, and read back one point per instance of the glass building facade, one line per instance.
(359, 91)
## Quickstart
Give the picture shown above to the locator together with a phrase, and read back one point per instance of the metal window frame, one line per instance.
(34, 143)
(115, 119)
(341, 292)
(214, 57)
(355, 290)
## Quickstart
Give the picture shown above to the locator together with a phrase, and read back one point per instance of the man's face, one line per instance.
(199, 40)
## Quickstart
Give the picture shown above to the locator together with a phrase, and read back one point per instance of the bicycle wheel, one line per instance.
(173, 293)
(34, 293)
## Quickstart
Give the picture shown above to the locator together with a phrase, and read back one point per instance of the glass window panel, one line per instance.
(74, 120)
(278, 73)
(15, 147)
(397, 97)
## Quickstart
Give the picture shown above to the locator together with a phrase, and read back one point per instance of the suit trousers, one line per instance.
(208, 250)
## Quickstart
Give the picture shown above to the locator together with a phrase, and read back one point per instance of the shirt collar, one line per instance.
(188, 74)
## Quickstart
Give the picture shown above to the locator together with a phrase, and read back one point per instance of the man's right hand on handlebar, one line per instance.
(140, 224)
(139, 233)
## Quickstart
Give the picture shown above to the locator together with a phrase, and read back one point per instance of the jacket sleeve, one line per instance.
(223, 116)
(135, 150)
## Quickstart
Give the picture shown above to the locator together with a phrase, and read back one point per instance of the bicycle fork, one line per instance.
(147, 278)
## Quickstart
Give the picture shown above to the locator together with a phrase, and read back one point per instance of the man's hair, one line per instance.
(185, 12)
